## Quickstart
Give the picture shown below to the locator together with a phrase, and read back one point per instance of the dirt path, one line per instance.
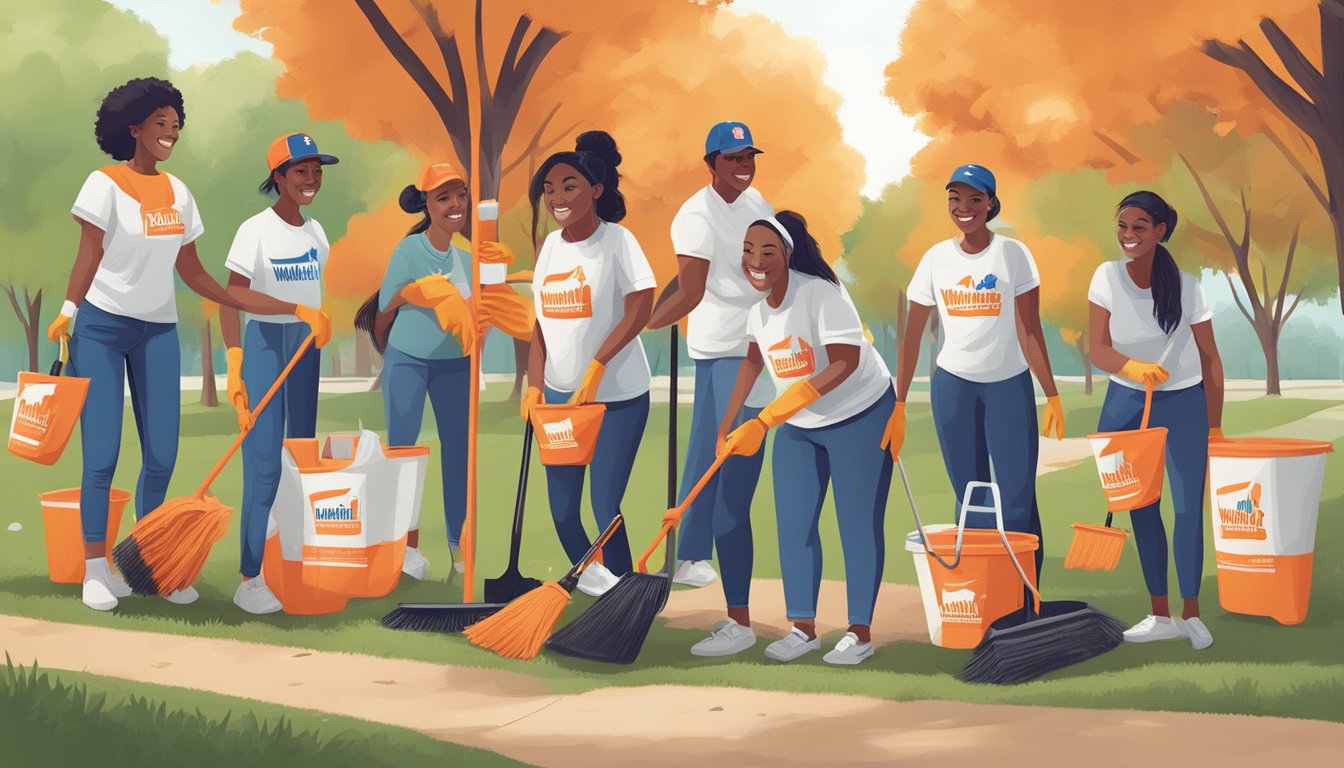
(514, 715)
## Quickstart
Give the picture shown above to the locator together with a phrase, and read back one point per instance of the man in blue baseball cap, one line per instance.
(712, 291)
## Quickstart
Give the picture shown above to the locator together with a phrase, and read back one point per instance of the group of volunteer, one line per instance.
(757, 296)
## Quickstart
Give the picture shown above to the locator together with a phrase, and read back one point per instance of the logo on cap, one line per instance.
(737, 132)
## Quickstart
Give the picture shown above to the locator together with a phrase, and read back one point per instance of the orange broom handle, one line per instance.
(591, 557)
(242, 434)
(673, 516)
(1147, 403)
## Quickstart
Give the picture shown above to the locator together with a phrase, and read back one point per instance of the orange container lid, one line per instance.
(402, 451)
(981, 542)
(1267, 447)
(1154, 431)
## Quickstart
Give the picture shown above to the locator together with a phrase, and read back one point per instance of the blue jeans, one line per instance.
(406, 381)
(112, 350)
(991, 423)
(848, 456)
(267, 349)
(613, 459)
(1184, 413)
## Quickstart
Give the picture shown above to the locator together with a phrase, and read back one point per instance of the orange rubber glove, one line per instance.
(893, 437)
(428, 291)
(457, 316)
(318, 323)
(1054, 418)
(592, 379)
(237, 391)
(58, 328)
(1140, 372)
(496, 253)
(746, 440)
(1216, 434)
(790, 402)
(531, 397)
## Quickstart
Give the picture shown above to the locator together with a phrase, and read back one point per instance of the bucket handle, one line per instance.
(59, 363)
(966, 506)
(1147, 404)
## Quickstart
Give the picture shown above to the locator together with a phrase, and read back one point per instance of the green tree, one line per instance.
(879, 256)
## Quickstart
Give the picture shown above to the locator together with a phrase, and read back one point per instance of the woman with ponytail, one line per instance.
(1151, 327)
(425, 298)
(833, 403)
(593, 293)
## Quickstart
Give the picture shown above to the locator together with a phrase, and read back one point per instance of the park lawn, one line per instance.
(1256, 666)
(76, 718)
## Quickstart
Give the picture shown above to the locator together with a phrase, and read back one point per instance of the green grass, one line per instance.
(1255, 667)
(72, 718)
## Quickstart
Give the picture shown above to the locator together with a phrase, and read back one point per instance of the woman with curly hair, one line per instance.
(137, 225)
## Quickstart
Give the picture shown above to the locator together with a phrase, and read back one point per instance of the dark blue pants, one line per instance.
(267, 349)
(406, 382)
(113, 351)
(1184, 413)
(980, 425)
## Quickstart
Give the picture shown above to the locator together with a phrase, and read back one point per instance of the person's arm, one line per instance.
(638, 308)
(87, 258)
(1211, 365)
(536, 359)
(747, 374)
(1099, 346)
(916, 317)
(228, 316)
(683, 294)
(1032, 338)
(203, 283)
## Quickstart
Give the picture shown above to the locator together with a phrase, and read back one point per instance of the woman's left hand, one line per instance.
(592, 379)
(746, 440)
(1054, 418)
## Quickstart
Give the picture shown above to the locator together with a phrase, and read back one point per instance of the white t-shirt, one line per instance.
(1135, 332)
(975, 295)
(283, 261)
(579, 292)
(793, 337)
(135, 277)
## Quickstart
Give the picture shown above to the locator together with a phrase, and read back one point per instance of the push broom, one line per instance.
(613, 630)
(166, 549)
(455, 617)
(520, 628)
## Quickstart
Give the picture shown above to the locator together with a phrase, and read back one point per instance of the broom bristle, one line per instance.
(1095, 548)
(1018, 648)
(520, 628)
(167, 548)
(613, 630)
(439, 617)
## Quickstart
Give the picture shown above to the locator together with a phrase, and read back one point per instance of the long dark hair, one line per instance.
(596, 157)
(413, 200)
(1166, 280)
(269, 187)
(806, 253)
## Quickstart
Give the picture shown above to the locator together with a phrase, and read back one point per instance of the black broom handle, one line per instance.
(672, 423)
(516, 540)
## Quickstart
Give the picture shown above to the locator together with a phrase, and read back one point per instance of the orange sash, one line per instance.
(155, 196)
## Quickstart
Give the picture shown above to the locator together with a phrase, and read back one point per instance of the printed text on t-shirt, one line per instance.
(972, 298)
(567, 295)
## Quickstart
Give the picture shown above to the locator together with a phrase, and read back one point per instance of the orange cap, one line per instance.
(436, 175)
(295, 147)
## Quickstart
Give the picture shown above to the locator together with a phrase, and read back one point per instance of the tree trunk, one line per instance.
(521, 350)
(334, 355)
(29, 313)
(363, 355)
(1269, 344)
(209, 393)
(1086, 355)
(377, 382)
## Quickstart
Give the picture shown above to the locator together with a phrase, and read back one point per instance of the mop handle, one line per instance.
(673, 516)
(919, 524)
(602, 540)
(242, 434)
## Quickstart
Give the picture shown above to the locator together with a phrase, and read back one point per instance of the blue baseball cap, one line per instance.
(978, 177)
(726, 138)
(293, 147)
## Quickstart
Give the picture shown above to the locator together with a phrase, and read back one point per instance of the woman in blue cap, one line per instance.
(986, 289)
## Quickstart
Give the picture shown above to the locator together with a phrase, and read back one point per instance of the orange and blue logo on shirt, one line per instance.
(973, 298)
(792, 357)
(566, 295)
(297, 269)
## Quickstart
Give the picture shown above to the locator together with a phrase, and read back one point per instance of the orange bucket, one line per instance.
(984, 586)
(65, 535)
(1095, 547)
(1130, 463)
(46, 408)
(567, 434)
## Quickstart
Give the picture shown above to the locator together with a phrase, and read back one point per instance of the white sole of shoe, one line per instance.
(716, 653)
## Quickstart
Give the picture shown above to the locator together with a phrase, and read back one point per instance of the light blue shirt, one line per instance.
(415, 330)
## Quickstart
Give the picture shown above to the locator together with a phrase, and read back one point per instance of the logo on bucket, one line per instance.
(1239, 512)
(1118, 480)
(959, 604)
(567, 295)
(162, 221)
(32, 413)
(560, 435)
(336, 513)
(792, 357)
(972, 298)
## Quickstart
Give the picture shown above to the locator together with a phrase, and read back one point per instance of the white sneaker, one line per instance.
(1200, 636)
(596, 580)
(849, 651)
(459, 563)
(255, 597)
(185, 596)
(101, 569)
(695, 573)
(415, 565)
(728, 638)
(1153, 628)
(97, 596)
(793, 645)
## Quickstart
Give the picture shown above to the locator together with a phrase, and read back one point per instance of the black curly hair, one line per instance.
(131, 104)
